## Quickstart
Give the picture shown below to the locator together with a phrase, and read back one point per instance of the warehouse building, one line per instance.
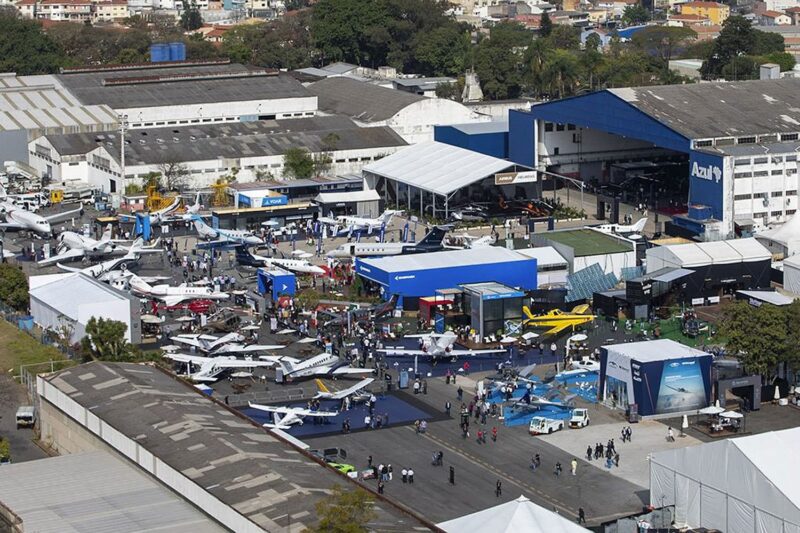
(736, 142)
(412, 116)
(585, 247)
(249, 150)
(433, 178)
(416, 275)
(66, 302)
(490, 138)
(719, 267)
(239, 474)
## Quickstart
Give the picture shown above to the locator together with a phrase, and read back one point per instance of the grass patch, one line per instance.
(18, 348)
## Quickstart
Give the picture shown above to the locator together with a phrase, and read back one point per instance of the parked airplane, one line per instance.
(212, 367)
(348, 224)
(230, 343)
(432, 242)
(105, 271)
(174, 295)
(18, 218)
(286, 417)
(557, 320)
(74, 245)
(623, 229)
(325, 394)
(223, 236)
(471, 241)
(585, 364)
(436, 346)
(320, 365)
(363, 314)
(161, 215)
(247, 258)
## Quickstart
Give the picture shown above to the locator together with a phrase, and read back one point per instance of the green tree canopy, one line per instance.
(105, 339)
(191, 19)
(25, 48)
(758, 336)
(13, 287)
(635, 14)
(344, 511)
(736, 39)
(663, 41)
(298, 163)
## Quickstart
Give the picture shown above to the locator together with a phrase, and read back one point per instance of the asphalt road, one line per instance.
(12, 395)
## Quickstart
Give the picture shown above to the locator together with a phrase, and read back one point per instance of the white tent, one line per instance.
(514, 516)
(791, 274)
(743, 485)
(701, 254)
(785, 239)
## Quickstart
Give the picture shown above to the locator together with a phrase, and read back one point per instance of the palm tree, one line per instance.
(561, 73)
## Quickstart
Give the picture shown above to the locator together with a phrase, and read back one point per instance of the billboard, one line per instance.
(706, 175)
(682, 386)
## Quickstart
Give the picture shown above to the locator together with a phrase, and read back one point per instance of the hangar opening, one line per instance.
(714, 156)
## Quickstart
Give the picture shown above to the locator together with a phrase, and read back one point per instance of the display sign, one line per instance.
(682, 387)
(508, 178)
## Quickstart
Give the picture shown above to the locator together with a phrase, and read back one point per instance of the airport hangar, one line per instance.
(736, 142)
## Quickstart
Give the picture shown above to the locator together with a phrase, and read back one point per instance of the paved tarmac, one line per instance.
(12, 395)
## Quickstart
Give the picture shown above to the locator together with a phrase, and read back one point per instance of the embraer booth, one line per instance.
(655, 377)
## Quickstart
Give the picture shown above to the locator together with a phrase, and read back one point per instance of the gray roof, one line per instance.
(706, 110)
(95, 491)
(494, 126)
(232, 140)
(424, 84)
(755, 149)
(361, 101)
(89, 88)
(230, 457)
(655, 350)
(487, 255)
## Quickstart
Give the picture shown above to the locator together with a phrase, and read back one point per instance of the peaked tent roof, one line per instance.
(514, 516)
(786, 233)
(437, 167)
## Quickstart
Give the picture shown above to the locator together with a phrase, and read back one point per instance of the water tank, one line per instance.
(159, 52)
(177, 52)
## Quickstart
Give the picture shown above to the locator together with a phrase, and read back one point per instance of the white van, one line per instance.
(26, 416)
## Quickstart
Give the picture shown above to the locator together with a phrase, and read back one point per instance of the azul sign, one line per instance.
(710, 172)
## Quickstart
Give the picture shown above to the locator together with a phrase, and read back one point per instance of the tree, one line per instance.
(443, 51)
(784, 60)
(25, 48)
(176, 175)
(765, 42)
(561, 73)
(756, 335)
(635, 14)
(13, 287)
(498, 60)
(592, 58)
(741, 68)
(298, 163)
(565, 37)
(344, 511)
(663, 41)
(191, 19)
(736, 38)
(545, 25)
(105, 340)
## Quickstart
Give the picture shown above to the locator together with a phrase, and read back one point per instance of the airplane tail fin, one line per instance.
(106, 234)
(387, 216)
(195, 207)
(435, 236)
(527, 311)
(639, 226)
(321, 386)
(140, 285)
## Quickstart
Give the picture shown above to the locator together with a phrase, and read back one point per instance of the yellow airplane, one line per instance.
(557, 320)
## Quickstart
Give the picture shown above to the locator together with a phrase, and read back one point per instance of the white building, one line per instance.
(251, 150)
(742, 485)
(71, 300)
(412, 116)
(551, 268)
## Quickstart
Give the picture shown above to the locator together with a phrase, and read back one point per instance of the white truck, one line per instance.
(544, 426)
(579, 418)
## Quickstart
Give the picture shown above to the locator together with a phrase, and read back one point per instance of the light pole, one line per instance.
(123, 128)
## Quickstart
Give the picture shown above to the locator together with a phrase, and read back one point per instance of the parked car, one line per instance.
(544, 426)
(579, 419)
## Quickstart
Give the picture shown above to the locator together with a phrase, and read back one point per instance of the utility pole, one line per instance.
(123, 128)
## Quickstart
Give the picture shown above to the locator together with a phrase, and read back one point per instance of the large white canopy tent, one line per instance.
(742, 485)
(785, 239)
(791, 274)
(512, 517)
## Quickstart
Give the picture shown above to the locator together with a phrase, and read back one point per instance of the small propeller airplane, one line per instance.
(558, 320)
(224, 236)
(325, 394)
(174, 295)
(344, 225)
(286, 417)
(436, 346)
(623, 229)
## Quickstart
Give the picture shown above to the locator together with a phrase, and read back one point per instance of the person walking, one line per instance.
(498, 488)
(588, 453)
(411, 475)
(404, 473)
(447, 408)
(380, 486)
(581, 515)
(460, 394)
(574, 465)
(558, 469)
(670, 435)
(480, 436)
(494, 433)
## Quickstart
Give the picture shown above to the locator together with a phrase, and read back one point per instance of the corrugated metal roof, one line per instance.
(361, 101)
(487, 255)
(437, 167)
(97, 492)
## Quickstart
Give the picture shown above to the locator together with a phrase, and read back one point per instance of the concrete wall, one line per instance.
(415, 122)
(14, 146)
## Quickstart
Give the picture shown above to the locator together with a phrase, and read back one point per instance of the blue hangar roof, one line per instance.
(424, 274)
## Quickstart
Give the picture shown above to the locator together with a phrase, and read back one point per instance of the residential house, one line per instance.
(775, 18)
(110, 11)
(706, 33)
(570, 18)
(794, 14)
(679, 19)
(717, 13)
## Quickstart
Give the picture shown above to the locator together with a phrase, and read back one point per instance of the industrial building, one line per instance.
(416, 275)
(718, 267)
(585, 247)
(70, 300)
(736, 142)
(250, 151)
(412, 116)
(433, 178)
(490, 138)
(642, 377)
(238, 473)
(93, 491)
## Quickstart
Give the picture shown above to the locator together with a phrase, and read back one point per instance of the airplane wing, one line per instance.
(231, 348)
(72, 253)
(273, 408)
(474, 352)
(350, 370)
(338, 395)
(172, 300)
(306, 412)
(186, 358)
(11, 225)
(240, 363)
(68, 269)
(60, 217)
(401, 351)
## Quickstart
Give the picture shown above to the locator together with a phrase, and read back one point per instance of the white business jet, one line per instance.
(19, 219)
(106, 270)
(320, 365)
(286, 417)
(224, 236)
(246, 258)
(230, 343)
(211, 367)
(74, 246)
(436, 346)
(353, 223)
(174, 295)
